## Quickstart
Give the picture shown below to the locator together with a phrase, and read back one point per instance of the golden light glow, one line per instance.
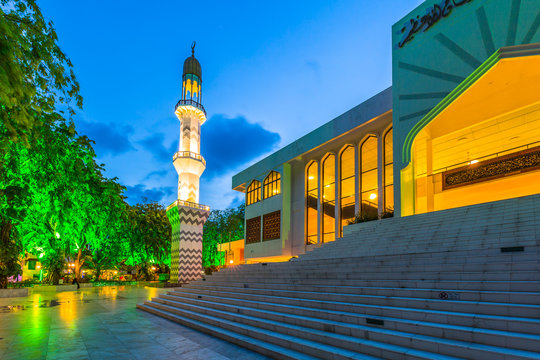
(312, 195)
(231, 261)
(372, 196)
(497, 115)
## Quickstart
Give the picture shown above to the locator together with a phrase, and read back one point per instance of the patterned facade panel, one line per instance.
(523, 161)
(272, 225)
(253, 230)
(186, 247)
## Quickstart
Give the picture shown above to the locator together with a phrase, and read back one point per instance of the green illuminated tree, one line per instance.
(37, 86)
(222, 226)
(149, 238)
(36, 77)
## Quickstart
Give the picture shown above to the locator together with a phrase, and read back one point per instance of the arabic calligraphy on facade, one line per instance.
(431, 17)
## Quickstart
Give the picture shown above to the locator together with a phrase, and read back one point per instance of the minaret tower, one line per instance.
(186, 215)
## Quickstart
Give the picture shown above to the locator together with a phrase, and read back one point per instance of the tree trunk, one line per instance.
(4, 242)
(78, 265)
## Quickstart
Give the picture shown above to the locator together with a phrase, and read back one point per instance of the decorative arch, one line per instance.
(328, 201)
(253, 193)
(368, 177)
(347, 185)
(312, 202)
(388, 172)
(272, 184)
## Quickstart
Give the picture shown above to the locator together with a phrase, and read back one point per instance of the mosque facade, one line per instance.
(459, 126)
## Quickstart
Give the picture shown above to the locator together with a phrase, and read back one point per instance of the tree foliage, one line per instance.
(36, 77)
(55, 201)
(222, 226)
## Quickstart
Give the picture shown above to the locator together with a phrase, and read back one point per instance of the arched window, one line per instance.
(188, 95)
(368, 179)
(195, 96)
(388, 173)
(253, 192)
(272, 184)
(347, 183)
(312, 197)
(329, 198)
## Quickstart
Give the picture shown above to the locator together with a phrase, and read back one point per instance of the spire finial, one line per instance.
(193, 49)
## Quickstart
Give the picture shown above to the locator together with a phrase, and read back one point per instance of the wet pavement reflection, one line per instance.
(101, 323)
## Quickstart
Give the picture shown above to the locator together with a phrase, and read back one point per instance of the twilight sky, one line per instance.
(272, 71)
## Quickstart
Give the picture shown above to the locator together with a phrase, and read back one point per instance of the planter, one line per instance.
(55, 288)
(66, 287)
(7, 293)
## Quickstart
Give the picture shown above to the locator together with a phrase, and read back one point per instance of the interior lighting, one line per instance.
(231, 261)
(38, 266)
(372, 196)
(311, 177)
(473, 162)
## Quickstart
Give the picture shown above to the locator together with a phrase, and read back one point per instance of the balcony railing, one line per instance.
(189, 154)
(188, 204)
(192, 103)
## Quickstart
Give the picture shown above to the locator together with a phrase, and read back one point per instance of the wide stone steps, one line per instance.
(356, 304)
(312, 348)
(517, 286)
(460, 283)
(417, 275)
(432, 257)
(310, 341)
(349, 246)
(423, 338)
(390, 315)
(524, 265)
(248, 342)
(343, 293)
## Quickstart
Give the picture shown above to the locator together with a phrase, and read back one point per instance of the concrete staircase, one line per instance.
(460, 283)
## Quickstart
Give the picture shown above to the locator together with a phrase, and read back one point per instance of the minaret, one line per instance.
(186, 215)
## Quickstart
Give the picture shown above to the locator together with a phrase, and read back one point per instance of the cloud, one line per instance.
(110, 138)
(158, 174)
(139, 194)
(227, 143)
(154, 144)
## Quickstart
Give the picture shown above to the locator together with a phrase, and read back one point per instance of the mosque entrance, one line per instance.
(484, 145)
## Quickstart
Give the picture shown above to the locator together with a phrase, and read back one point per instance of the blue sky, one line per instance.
(272, 71)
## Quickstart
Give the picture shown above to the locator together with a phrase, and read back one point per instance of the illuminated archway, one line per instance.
(482, 142)
(347, 183)
(312, 203)
(328, 201)
(369, 207)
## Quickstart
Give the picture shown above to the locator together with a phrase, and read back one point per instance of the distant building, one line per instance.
(460, 126)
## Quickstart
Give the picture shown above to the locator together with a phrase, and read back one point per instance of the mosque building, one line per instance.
(459, 126)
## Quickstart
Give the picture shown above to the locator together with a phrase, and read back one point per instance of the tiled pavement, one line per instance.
(101, 323)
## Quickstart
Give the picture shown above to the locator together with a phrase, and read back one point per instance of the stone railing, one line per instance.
(192, 103)
(189, 154)
(188, 204)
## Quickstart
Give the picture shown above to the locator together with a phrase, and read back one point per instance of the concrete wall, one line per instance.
(258, 209)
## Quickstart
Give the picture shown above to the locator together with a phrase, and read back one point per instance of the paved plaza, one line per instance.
(101, 323)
